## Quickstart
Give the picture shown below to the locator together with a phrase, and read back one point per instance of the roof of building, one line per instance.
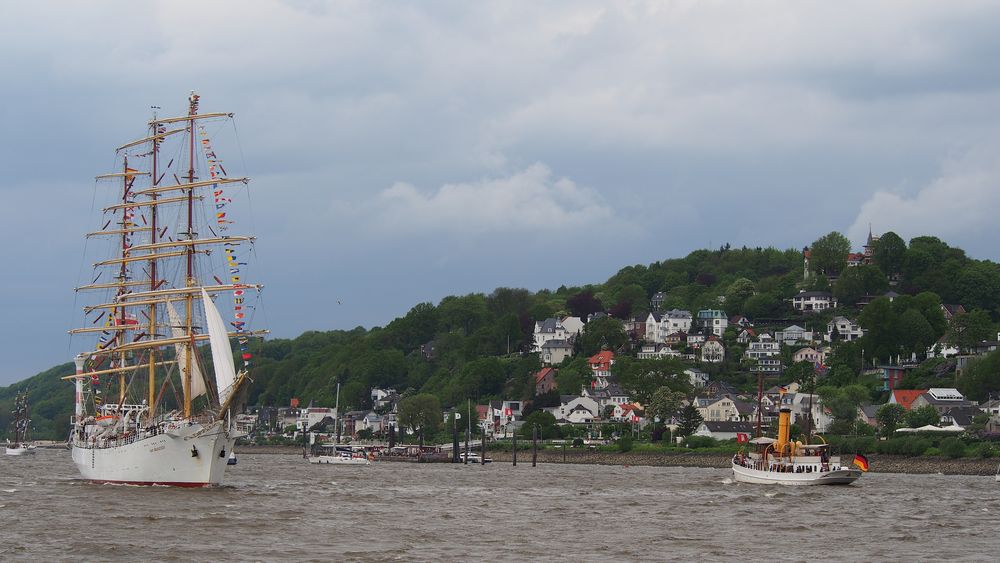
(602, 360)
(870, 410)
(728, 426)
(712, 314)
(547, 326)
(905, 397)
(963, 415)
(814, 294)
(556, 343)
(952, 310)
(946, 394)
(543, 373)
(616, 390)
(678, 314)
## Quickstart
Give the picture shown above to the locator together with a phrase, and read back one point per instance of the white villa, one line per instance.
(847, 329)
(764, 347)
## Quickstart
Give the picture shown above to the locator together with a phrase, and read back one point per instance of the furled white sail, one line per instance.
(222, 352)
(177, 331)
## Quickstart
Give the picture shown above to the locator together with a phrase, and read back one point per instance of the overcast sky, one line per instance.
(401, 152)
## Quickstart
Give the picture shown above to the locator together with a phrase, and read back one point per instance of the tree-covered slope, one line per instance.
(471, 346)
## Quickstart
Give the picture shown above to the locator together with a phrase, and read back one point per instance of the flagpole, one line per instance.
(760, 396)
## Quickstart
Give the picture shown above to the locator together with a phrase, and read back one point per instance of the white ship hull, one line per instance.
(163, 459)
(19, 450)
(835, 477)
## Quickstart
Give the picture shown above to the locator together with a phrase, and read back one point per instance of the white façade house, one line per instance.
(724, 430)
(555, 351)
(696, 377)
(575, 409)
(811, 301)
(793, 334)
(846, 329)
(712, 351)
(724, 408)
(808, 354)
(661, 323)
(764, 347)
(555, 329)
(713, 321)
(656, 352)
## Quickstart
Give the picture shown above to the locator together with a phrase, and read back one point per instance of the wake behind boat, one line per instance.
(149, 409)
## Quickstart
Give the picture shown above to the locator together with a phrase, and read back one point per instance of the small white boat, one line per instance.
(473, 458)
(232, 459)
(341, 455)
(16, 448)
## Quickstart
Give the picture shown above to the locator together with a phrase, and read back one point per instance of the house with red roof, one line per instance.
(905, 397)
(545, 380)
(601, 362)
(628, 412)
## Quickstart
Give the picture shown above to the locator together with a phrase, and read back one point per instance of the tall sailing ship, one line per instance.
(150, 409)
(20, 428)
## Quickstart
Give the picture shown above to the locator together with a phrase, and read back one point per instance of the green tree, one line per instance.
(548, 429)
(915, 333)
(641, 378)
(421, 412)
(601, 332)
(855, 283)
(981, 378)
(584, 303)
(737, 294)
(978, 286)
(952, 447)
(664, 403)
(881, 323)
(762, 305)
(971, 328)
(829, 253)
(843, 402)
(689, 422)
(889, 417)
(922, 416)
(889, 253)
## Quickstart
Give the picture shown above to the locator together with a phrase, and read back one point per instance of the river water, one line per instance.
(281, 508)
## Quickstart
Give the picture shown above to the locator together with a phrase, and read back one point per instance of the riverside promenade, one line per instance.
(880, 463)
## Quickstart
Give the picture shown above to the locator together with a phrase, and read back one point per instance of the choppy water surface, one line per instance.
(278, 507)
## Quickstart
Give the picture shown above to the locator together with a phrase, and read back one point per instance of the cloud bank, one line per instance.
(959, 205)
(532, 200)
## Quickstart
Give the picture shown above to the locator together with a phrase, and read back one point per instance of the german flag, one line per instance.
(861, 461)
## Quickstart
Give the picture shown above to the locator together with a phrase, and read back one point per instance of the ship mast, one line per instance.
(189, 302)
(127, 212)
(151, 413)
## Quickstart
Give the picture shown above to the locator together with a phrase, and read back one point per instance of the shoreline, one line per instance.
(880, 463)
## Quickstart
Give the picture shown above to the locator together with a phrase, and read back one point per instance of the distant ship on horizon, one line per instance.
(149, 409)
(20, 425)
